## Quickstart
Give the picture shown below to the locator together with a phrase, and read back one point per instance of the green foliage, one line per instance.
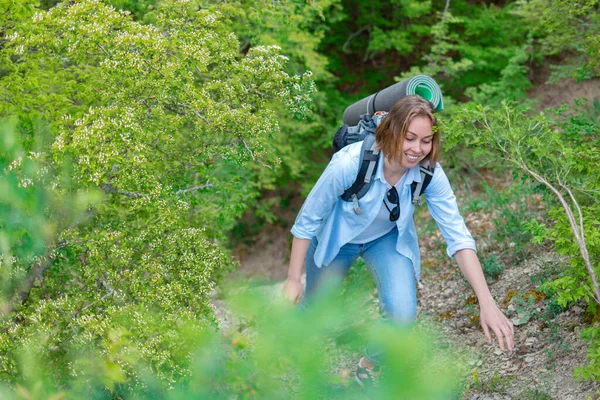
(569, 288)
(13, 12)
(566, 25)
(529, 143)
(512, 84)
(277, 352)
(32, 214)
(495, 384)
(172, 125)
(479, 52)
(592, 370)
(464, 46)
(297, 27)
(138, 8)
(510, 206)
(580, 127)
(491, 267)
(98, 280)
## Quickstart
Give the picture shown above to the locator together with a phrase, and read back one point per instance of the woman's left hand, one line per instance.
(492, 319)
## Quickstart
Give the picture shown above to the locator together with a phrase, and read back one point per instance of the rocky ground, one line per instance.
(548, 347)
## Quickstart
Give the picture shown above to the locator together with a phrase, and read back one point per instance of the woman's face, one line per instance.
(418, 142)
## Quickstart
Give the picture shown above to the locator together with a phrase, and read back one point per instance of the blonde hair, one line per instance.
(391, 132)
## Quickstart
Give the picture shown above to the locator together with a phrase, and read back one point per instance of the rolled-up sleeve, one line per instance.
(444, 210)
(337, 177)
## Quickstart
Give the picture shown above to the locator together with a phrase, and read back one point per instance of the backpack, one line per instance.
(369, 158)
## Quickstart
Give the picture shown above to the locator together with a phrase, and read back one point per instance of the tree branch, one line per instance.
(180, 111)
(109, 189)
(445, 10)
(36, 272)
(109, 289)
(110, 292)
(244, 46)
(174, 56)
(206, 185)
(252, 155)
(103, 49)
(173, 109)
(202, 117)
(353, 35)
(574, 228)
(578, 209)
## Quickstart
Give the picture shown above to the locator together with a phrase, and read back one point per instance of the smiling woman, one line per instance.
(329, 235)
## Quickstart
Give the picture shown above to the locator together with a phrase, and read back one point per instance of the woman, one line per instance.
(329, 236)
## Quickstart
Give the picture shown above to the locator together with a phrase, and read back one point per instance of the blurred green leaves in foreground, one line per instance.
(32, 211)
(267, 350)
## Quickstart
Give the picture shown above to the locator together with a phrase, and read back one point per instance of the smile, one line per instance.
(412, 158)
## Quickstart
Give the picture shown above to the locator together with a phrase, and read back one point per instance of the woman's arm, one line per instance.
(490, 316)
(292, 289)
(337, 177)
(442, 206)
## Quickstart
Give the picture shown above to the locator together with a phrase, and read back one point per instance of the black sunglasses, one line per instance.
(392, 197)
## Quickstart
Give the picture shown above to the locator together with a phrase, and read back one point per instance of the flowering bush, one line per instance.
(152, 132)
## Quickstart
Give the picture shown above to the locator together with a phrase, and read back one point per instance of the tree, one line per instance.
(562, 163)
(167, 120)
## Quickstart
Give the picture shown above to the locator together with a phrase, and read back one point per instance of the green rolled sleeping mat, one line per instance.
(383, 100)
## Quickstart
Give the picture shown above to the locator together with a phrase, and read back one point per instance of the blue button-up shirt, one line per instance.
(334, 222)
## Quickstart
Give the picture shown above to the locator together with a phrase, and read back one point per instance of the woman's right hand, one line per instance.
(292, 290)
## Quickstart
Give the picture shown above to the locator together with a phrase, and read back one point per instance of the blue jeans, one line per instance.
(393, 273)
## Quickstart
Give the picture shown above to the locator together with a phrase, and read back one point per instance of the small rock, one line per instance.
(521, 320)
(475, 363)
(530, 358)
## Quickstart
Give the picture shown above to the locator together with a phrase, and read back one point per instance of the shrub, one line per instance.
(117, 214)
(282, 352)
(491, 267)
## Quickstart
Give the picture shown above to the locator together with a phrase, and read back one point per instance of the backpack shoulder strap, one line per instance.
(417, 188)
(369, 158)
